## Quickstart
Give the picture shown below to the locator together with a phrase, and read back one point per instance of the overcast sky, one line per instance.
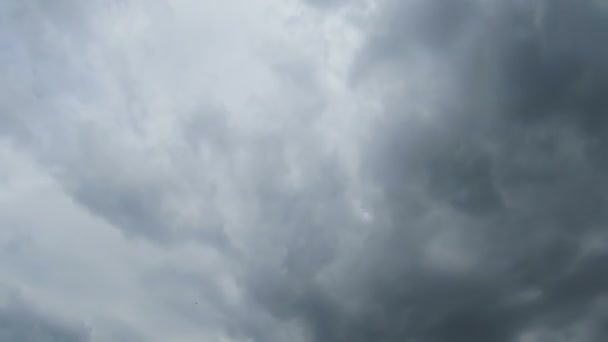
(304, 170)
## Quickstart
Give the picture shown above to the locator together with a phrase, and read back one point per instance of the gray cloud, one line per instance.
(493, 190)
(471, 208)
(21, 321)
(324, 3)
(191, 170)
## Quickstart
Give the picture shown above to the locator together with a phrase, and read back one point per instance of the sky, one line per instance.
(303, 170)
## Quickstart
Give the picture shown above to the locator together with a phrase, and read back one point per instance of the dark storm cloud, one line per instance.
(19, 321)
(506, 171)
(485, 197)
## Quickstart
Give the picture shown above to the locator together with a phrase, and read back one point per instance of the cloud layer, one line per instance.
(304, 170)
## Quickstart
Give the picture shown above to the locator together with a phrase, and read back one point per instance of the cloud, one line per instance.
(198, 141)
(276, 171)
(21, 321)
(324, 3)
(490, 185)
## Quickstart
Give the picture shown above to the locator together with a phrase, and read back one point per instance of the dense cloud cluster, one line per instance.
(492, 208)
(420, 170)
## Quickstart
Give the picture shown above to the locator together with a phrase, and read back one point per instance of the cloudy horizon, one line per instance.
(303, 170)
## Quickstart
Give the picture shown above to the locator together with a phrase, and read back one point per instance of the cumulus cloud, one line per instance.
(305, 170)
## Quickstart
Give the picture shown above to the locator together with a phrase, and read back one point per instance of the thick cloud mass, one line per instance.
(494, 190)
(420, 170)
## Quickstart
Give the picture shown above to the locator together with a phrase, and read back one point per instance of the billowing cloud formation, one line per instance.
(305, 170)
(492, 187)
